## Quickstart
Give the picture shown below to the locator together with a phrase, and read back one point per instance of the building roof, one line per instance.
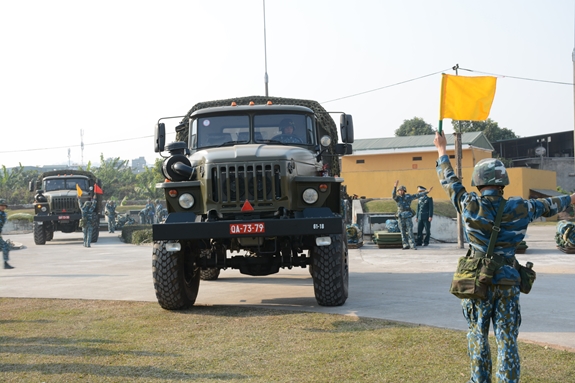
(475, 139)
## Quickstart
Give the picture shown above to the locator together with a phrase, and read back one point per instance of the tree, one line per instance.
(146, 181)
(117, 178)
(489, 127)
(414, 127)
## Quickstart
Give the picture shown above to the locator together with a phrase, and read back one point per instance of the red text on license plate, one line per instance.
(247, 228)
(63, 217)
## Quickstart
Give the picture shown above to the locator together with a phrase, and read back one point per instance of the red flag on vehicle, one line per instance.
(97, 189)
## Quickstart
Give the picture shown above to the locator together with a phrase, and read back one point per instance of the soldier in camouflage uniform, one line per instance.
(501, 306)
(87, 217)
(287, 127)
(5, 246)
(111, 213)
(423, 217)
(404, 214)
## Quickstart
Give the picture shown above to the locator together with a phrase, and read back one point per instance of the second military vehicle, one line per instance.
(57, 203)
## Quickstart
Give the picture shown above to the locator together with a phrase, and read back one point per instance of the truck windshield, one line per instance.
(287, 129)
(52, 184)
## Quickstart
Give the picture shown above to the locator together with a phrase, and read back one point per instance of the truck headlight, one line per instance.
(43, 208)
(310, 196)
(186, 200)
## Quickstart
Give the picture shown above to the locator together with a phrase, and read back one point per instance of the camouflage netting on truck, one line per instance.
(327, 124)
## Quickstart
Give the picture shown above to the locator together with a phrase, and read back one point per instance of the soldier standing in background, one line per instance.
(3, 244)
(404, 214)
(423, 217)
(87, 218)
(149, 212)
(111, 213)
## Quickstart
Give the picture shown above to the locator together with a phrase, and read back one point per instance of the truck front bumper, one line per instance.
(184, 227)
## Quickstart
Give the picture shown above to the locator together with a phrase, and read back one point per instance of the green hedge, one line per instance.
(137, 234)
(21, 217)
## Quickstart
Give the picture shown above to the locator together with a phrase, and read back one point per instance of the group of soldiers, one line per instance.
(153, 212)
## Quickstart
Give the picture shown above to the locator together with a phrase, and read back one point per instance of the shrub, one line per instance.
(21, 217)
(137, 234)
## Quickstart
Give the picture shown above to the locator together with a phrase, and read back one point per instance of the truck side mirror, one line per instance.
(159, 137)
(32, 185)
(346, 128)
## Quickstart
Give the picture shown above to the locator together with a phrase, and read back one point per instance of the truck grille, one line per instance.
(258, 183)
(65, 204)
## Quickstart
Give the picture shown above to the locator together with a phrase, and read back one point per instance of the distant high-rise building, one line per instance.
(138, 165)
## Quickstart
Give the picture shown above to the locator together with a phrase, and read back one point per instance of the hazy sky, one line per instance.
(112, 68)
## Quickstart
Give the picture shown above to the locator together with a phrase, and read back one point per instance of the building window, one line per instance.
(416, 158)
(360, 161)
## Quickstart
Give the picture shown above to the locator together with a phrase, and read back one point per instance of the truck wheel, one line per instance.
(176, 279)
(95, 230)
(49, 232)
(330, 272)
(210, 274)
(39, 234)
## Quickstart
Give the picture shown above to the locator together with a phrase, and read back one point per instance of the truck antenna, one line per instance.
(82, 145)
(265, 52)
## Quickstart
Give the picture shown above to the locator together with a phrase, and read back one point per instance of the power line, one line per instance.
(74, 146)
(518, 78)
(387, 86)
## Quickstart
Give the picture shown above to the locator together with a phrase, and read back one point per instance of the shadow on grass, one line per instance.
(112, 371)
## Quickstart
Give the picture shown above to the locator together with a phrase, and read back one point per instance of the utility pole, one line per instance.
(458, 172)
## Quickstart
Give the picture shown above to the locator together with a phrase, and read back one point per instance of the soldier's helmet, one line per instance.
(489, 171)
(3, 202)
(402, 188)
(286, 123)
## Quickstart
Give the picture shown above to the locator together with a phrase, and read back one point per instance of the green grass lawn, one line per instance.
(54, 340)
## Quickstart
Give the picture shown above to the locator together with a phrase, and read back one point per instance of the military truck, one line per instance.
(240, 194)
(57, 205)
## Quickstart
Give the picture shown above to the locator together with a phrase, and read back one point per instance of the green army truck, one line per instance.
(252, 184)
(57, 205)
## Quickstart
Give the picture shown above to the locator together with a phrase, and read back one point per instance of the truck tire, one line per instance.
(39, 234)
(176, 281)
(95, 230)
(49, 232)
(210, 274)
(330, 272)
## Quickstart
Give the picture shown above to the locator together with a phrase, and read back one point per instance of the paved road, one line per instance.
(409, 286)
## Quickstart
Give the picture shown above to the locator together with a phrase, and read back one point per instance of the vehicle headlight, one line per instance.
(43, 209)
(325, 141)
(186, 200)
(310, 196)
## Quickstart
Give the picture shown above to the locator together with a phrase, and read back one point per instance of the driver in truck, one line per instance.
(287, 136)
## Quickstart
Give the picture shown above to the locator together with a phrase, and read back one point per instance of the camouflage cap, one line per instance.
(489, 171)
(402, 187)
(3, 202)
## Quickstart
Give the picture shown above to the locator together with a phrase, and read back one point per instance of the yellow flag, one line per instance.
(466, 98)
(79, 190)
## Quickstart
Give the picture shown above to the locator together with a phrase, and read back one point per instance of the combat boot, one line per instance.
(7, 266)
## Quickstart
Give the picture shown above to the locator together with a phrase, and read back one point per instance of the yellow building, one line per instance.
(377, 163)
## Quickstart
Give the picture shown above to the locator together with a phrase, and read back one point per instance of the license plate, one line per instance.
(63, 217)
(247, 228)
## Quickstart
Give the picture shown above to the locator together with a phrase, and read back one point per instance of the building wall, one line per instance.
(406, 161)
(376, 176)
